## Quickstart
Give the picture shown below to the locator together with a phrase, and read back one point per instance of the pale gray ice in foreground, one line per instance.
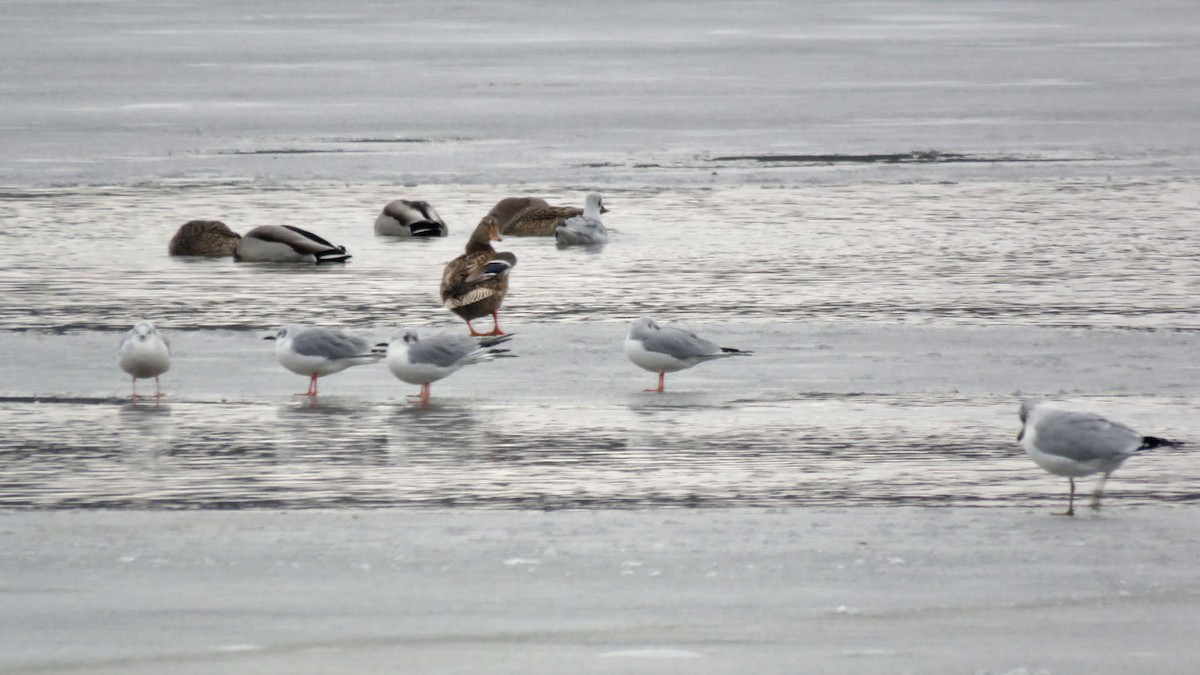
(915, 214)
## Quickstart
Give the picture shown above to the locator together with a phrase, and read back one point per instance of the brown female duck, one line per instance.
(474, 283)
(210, 238)
(535, 219)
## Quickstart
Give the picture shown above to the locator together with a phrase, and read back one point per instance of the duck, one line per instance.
(143, 354)
(667, 349)
(406, 218)
(209, 238)
(423, 360)
(539, 220)
(285, 243)
(585, 229)
(474, 284)
(506, 209)
(316, 352)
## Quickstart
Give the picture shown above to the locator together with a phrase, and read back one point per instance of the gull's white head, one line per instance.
(143, 329)
(593, 206)
(408, 336)
(642, 327)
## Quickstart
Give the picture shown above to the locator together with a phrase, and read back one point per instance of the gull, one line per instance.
(312, 351)
(422, 360)
(585, 229)
(409, 218)
(1077, 444)
(144, 353)
(284, 243)
(666, 349)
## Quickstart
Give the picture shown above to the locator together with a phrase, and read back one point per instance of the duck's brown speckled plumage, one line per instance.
(538, 221)
(506, 209)
(474, 284)
(210, 238)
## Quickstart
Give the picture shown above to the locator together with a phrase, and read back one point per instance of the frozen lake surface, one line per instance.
(895, 328)
(628, 92)
(914, 213)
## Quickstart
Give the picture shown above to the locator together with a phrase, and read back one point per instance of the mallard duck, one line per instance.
(284, 243)
(405, 218)
(422, 360)
(666, 349)
(540, 220)
(313, 351)
(586, 229)
(474, 283)
(506, 209)
(143, 353)
(1077, 444)
(210, 238)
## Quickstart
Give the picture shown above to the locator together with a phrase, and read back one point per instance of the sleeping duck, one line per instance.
(586, 229)
(405, 218)
(284, 243)
(210, 238)
(539, 220)
(474, 283)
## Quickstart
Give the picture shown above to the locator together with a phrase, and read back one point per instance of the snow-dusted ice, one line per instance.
(1078, 444)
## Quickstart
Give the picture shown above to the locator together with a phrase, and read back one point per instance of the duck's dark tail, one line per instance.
(427, 228)
(1151, 442)
(333, 255)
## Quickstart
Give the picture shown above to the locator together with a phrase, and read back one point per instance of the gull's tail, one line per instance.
(1151, 442)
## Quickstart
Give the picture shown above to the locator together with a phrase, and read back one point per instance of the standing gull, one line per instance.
(586, 229)
(409, 218)
(474, 284)
(666, 349)
(1077, 444)
(312, 351)
(284, 243)
(422, 360)
(144, 353)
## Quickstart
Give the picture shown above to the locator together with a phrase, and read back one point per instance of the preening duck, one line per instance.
(406, 218)
(284, 243)
(506, 209)
(540, 220)
(474, 284)
(210, 238)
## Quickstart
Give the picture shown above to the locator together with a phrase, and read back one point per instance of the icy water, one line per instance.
(895, 326)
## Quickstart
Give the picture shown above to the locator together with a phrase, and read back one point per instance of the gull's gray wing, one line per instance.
(330, 344)
(1084, 436)
(678, 343)
(442, 351)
